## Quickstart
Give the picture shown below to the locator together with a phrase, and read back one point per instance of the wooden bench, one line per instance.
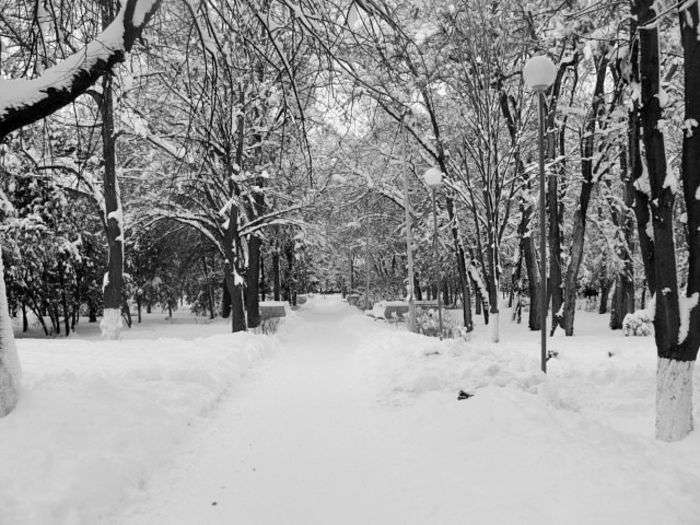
(390, 311)
(271, 315)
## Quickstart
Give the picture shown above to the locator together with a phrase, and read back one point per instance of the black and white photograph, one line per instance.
(349, 262)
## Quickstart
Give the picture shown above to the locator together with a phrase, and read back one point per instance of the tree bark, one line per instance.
(276, 285)
(225, 299)
(461, 266)
(623, 298)
(10, 373)
(111, 321)
(604, 296)
(676, 351)
(252, 281)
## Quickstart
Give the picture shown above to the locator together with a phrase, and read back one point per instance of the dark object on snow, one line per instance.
(610, 354)
(463, 395)
(214, 504)
(432, 353)
(552, 354)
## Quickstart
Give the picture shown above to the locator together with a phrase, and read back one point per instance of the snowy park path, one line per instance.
(302, 441)
(308, 438)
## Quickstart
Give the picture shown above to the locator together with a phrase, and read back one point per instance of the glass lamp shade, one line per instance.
(539, 73)
(433, 177)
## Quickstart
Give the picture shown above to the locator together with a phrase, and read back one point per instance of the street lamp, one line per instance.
(538, 74)
(433, 178)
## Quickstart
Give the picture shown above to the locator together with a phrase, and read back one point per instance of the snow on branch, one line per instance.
(23, 101)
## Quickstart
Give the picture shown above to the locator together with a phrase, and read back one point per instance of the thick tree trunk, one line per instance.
(225, 300)
(676, 350)
(111, 320)
(677, 332)
(235, 292)
(674, 399)
(10, 372)
(92, 313)
(604, 296)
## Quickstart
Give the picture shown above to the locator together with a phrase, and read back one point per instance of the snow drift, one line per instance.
(96, 418)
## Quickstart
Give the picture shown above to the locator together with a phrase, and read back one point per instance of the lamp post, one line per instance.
(433, 178)
(538, 74)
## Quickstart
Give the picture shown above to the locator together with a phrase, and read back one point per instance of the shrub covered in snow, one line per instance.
(427, 323)
(640, 323)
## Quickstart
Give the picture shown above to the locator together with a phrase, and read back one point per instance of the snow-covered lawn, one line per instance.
(349, 420)
(96, 418)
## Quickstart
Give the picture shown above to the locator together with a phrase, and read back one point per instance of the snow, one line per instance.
(97, 418)
(350, 421)
(358, 422)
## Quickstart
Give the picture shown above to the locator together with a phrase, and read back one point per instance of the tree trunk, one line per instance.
(25, 321)
(10, 372)
(677, 351)
(225, 299)
(604, 295)
(252, 281)
(461, 267)
(235, 290)
(623, 298)
(263, 281)
(532, 267)
(112, 319)
(276, 285)
(416, 288)
(587, 167)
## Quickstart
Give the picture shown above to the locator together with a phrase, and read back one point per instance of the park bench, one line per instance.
(271, 315)
(425, 305)
(389, 310)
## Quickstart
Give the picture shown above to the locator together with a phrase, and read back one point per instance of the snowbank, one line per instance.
(97, 418)
(579, 441)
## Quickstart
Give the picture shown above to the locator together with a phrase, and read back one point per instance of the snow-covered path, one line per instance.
(311, 437)
(303, 441)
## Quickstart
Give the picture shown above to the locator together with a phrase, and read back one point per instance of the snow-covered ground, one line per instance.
(97, 418)
(348, 420)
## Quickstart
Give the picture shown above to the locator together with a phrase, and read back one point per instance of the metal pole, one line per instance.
(543, 240)
(437, 262)
(409, 257)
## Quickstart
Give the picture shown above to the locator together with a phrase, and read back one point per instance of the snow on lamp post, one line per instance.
(538, 75)
(433, 178)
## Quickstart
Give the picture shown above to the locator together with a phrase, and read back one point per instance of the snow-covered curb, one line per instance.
(96, 418)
